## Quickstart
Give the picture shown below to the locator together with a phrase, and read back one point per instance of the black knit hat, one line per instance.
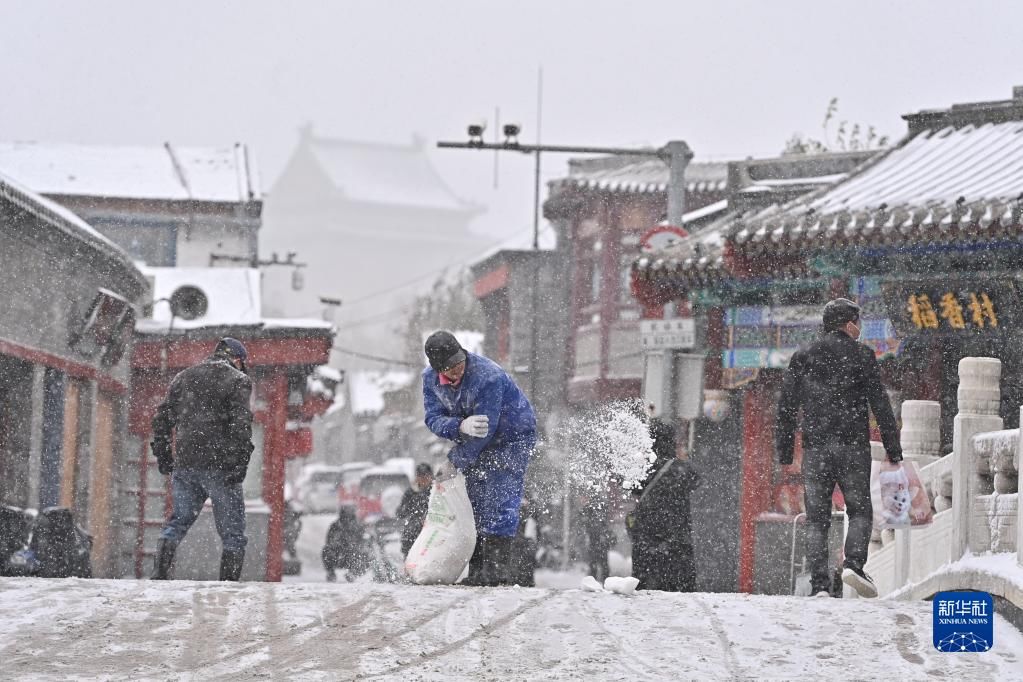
(838, 312)
(443, 351)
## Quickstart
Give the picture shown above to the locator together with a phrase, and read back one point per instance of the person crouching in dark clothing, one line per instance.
(344, 549)
(660, 526)
(414, 504)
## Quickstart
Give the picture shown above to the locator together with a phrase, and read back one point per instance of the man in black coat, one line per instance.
(207, 417)
(414, 505)
(660, 526)
(835, 381)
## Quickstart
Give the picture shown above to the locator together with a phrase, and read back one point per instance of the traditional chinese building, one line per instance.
(721, 378)
(601, 211)
(166, 205)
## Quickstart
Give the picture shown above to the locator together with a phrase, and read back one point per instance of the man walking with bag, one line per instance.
(470, 400)
(835, 381)
(206, 415)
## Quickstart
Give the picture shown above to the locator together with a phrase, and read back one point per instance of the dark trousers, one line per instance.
(190, 488)
(823, 469)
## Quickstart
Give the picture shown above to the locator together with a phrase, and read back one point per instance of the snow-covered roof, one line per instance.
(64, 220)
(368, 388)
(640, 174)
(379, 173)
(165, 172)
(934, 185)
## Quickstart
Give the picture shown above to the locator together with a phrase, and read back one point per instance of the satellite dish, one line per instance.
(189, 302)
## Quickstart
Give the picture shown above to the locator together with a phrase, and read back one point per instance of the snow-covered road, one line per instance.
(130, 630)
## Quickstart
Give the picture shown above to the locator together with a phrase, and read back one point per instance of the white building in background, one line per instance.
(163, 204)
(361, 216)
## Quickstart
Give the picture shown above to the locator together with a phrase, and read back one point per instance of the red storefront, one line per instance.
(282, 355)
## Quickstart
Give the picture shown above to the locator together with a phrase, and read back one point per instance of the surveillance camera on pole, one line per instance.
(475, 131)
(511, 134)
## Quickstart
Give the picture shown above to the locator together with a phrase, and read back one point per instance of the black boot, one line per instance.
(163, 566)
(497, 561)
(231, 564)
(475, 576)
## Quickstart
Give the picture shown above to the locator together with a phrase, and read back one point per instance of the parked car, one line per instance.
(351, 473)
(316, 488)
(381, 489)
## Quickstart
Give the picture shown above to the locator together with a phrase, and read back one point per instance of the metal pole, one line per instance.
(565, 149)
(534, 351)
(677, 155)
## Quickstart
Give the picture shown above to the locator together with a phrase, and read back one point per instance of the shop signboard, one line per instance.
(678, 333)
(952, 306)
(766, 337)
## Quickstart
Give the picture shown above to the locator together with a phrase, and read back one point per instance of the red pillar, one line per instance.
(757, 456)
(273, 472)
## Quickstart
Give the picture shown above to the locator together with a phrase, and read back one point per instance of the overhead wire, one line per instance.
(375, 358)
(437, 271)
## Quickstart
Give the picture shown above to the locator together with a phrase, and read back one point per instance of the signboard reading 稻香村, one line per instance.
(952, 307)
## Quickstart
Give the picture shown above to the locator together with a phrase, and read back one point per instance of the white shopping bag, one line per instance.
(445, 545)
(899, 499)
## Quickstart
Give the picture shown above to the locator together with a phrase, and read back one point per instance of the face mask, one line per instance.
(857, 334)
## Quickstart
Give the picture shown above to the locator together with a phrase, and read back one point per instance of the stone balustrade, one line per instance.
(974, 491)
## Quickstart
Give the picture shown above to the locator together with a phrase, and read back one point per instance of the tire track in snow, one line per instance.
(482, 630)
(643, 672)
(719, 630)
(310, 652)
(359, 608)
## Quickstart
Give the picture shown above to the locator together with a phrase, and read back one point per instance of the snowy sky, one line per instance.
(731, 78)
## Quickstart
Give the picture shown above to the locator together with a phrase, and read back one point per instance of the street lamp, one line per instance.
(675, 154)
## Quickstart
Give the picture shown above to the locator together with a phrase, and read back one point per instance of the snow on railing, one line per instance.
(974, 491)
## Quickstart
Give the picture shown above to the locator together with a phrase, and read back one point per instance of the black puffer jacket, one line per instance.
(834, 380)
(207, 410)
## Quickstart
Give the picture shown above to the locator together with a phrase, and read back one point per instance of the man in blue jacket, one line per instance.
(470, 400)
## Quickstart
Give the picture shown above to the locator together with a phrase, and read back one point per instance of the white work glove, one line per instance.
(475, 426)
(445, 471)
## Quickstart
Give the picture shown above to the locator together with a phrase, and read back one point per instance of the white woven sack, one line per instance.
(445, 545)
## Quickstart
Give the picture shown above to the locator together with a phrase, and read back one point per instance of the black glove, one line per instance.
(164, 459)
(235, 474)
(895, 457)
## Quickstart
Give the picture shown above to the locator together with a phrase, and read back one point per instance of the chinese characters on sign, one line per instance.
(963, 621)
(676, 333)
(953, 306)
(950, 311)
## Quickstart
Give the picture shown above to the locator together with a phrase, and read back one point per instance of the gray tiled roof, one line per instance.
(939, 185)
(640, 174)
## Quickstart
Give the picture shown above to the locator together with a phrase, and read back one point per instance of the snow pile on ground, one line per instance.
(611, 442)
(138, 630)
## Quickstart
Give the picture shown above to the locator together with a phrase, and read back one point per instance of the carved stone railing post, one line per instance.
(979, 400)
(921, 443)
(1019, 496)
(921, 431)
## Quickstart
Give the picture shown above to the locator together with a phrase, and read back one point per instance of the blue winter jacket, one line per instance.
(484, 389)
